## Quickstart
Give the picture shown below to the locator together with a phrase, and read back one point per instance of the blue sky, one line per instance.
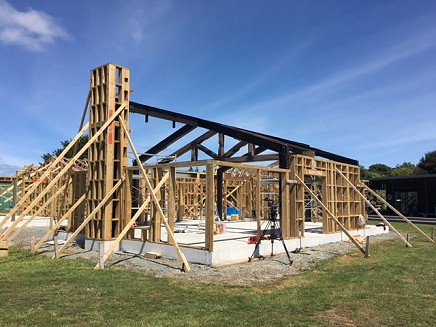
(356, 78)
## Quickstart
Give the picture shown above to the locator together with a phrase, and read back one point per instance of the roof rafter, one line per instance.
(270, 142)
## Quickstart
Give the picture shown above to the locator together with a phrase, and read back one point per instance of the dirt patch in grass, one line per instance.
(338, 317)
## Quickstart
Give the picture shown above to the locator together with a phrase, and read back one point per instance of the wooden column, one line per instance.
(110, 88)
(172, 200)
(258, 203)
(219, 192)
(210, 201)
(285, 213)
(156, 219)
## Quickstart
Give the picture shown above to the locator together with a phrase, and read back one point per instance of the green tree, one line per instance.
(80, 143)
(405, 169)
(379, 170)
(364, 173)
(427, 164)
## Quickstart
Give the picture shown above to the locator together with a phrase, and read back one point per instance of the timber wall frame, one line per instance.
(110, 198)
(110, 89)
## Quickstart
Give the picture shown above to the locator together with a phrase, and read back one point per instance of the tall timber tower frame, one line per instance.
(108, 160)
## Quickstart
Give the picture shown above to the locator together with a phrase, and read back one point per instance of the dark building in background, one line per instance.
(411, 195)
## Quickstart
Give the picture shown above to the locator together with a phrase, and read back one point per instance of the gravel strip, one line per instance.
(256, 272)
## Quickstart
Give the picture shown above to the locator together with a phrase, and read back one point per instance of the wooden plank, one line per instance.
(313, 172)
(4, 248)
(185, 264)
(46, 174)
(129, 225)
(153, 255)
(172, 198)
(58, 224)
(374, 208)
(210, 202)
(27, 222)
(341, 227)
(91, 215)
(61, 173)
(398, 213)
(285, 209)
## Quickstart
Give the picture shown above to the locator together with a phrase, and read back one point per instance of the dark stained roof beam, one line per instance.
(210, 153)
(270, 142)
(189, 146)
(234, 149)
(166, 142)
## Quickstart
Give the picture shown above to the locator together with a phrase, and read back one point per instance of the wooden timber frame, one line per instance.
(109, 198)
(110, 89)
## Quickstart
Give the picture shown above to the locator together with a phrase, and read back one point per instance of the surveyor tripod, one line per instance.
(273, 225)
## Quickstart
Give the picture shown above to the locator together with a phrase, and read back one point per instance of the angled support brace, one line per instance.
(185, 264)
(341, 227)
(53, 197)
(63, 171)
(132, 221)
(373, 208)
(92, 214)
(58, 224)
(398, 213)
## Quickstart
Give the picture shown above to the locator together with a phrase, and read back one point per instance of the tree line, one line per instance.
(426, 165)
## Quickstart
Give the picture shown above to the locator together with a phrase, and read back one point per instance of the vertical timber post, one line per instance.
(172, 200)
(284, 194)
(110, 89)
(367, 247)
(210, 199)
(219, 192)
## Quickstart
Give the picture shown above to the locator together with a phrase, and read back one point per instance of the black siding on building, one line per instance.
(411, 195)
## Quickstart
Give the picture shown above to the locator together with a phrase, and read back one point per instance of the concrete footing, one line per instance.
(232, 246)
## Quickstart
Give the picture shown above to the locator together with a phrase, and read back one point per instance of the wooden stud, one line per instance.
(375, 210)
(210, 201)
(56, 246)
(58, 224)
(101, 255)
(285, 210)
(129, 225)
(185, 264)
(341, 227)
(172, 198)
(44, 175)
(91, 215)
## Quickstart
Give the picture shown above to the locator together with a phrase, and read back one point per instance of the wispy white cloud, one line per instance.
(264, 77)
(382, 60)
(31, 29)
(142, 19)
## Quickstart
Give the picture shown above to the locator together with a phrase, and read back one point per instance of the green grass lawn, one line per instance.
(395, 287)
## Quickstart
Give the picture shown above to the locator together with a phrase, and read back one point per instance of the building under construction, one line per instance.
(182, 204)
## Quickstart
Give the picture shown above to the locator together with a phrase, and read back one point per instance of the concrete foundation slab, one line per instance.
(232, 246)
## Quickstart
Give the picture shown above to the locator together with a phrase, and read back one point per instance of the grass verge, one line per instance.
(395, 287)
